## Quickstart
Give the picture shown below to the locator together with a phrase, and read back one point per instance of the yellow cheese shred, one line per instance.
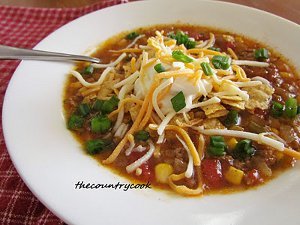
(205, 51)
(187, 139)
(132, 64)
(133, 128)
(292, 153)
(127, 50)
(122, 103)
(181, 189)
(232, 53)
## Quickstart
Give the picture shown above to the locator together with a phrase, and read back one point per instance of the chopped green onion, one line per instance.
(190, 44)
(159, 68)
(261, 53)
(214, 49)
(84, 109)
(141, 135)
(206, 69)
(178, 101)
(217, 146)
(88, 70)
(221, 62)
(291, 108)
(110, 105)
(100, 124)
(243, 149)
(216, 151)
(217, 141)
(182, 38)
(97, 106)
(75, 122)
(178, 55)
(298, 109)
(94, 146)
(232, 118)
(132, 35)
(277, 109)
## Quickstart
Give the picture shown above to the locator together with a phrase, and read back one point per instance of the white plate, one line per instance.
(50, 160)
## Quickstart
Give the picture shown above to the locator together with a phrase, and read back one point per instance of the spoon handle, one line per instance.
(7, 52)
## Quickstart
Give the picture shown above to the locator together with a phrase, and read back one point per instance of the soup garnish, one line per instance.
(187, 108)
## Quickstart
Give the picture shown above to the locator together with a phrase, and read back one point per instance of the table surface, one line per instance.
(289, 9)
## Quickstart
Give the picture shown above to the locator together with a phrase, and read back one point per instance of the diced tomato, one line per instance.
(230, 45)
(212, 173)
(147, 168)
(197, 35)
(253, 177)
(147, 174)
(260, 112)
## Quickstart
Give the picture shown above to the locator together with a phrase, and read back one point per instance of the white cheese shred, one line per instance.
(112, 64)
(131, 146)
(190, 167)
(136, 164)
(248, 83)
(161, 87)
(135, 40)
(210, 101)
(87, 84)
(263, 80)
(124, 90)
(120, 132)
(259, 138)
(161, 138)
(139, 149)
(249, 63)
(129, 79)
(165, 122)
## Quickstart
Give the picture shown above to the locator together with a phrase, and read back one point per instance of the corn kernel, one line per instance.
(162, 172)
(275, 130)
(279, 155)
(232, 143)
(286, 75)
(234, 175)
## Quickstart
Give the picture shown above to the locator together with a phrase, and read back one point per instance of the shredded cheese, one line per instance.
(161, 138)
(161, 87)
(259, 138)
(135, 40)
(131, 146)
(190, 168)
(181, 189)
(210, 101)
(186, 138)
(232, 53)
(129, 79)
(250, 63)
(121, 144)
(112, 64)
(248, 83)
(120, 132)
(165, 122)
(97, 83)
(122, 103)
(124, 90)
(133, 166)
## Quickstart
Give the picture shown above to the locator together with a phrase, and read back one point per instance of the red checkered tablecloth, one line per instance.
(25, 27)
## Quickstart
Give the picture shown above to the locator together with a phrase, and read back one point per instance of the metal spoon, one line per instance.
(7, 52)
